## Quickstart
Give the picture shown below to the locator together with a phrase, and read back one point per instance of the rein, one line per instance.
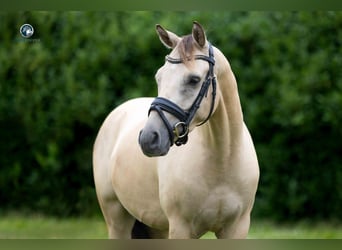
(179, 132)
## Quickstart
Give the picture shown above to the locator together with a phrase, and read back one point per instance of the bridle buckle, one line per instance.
(184, 130)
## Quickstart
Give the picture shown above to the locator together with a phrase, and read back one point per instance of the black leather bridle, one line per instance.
(179, 132)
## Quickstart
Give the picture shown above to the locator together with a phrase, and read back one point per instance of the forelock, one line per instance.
(186, 48)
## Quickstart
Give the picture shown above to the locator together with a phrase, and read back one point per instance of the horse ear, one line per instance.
(198, 34)
(169, 39)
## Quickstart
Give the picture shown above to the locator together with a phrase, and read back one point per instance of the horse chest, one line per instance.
(218, 208)
(205, 206)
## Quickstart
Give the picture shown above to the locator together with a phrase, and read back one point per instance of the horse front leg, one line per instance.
(119, 222)
(179, 232)
(179, 229)
(238, 230)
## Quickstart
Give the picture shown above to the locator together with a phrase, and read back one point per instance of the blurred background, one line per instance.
(57, 87)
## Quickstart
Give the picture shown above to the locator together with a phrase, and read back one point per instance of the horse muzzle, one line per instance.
(154, 142)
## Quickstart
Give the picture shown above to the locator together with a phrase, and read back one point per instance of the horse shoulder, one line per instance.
(121, 118)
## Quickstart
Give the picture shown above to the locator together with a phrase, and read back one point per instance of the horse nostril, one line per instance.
(155, 141)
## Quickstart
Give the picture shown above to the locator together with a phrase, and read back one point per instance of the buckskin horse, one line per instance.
(184, 163)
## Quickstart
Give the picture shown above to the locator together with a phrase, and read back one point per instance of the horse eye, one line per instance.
(193, 80)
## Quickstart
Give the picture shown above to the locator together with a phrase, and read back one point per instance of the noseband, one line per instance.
(179, 132)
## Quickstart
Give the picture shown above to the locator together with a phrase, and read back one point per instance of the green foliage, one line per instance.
(290, 85)
(57, 88)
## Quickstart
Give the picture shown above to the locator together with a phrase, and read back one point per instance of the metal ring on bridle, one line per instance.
(183, 126)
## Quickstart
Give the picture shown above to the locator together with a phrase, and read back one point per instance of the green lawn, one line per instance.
(40, 227)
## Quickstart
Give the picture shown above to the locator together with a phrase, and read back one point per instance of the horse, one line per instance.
(184, 163)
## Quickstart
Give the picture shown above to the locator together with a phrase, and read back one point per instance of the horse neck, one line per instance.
(226, 123)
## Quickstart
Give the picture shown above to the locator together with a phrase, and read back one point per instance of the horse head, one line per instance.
(186, 91)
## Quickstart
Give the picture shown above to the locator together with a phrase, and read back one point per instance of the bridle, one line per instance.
(178, 133)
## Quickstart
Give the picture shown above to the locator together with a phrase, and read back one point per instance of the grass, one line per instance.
(40, 227)
(300, 230)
